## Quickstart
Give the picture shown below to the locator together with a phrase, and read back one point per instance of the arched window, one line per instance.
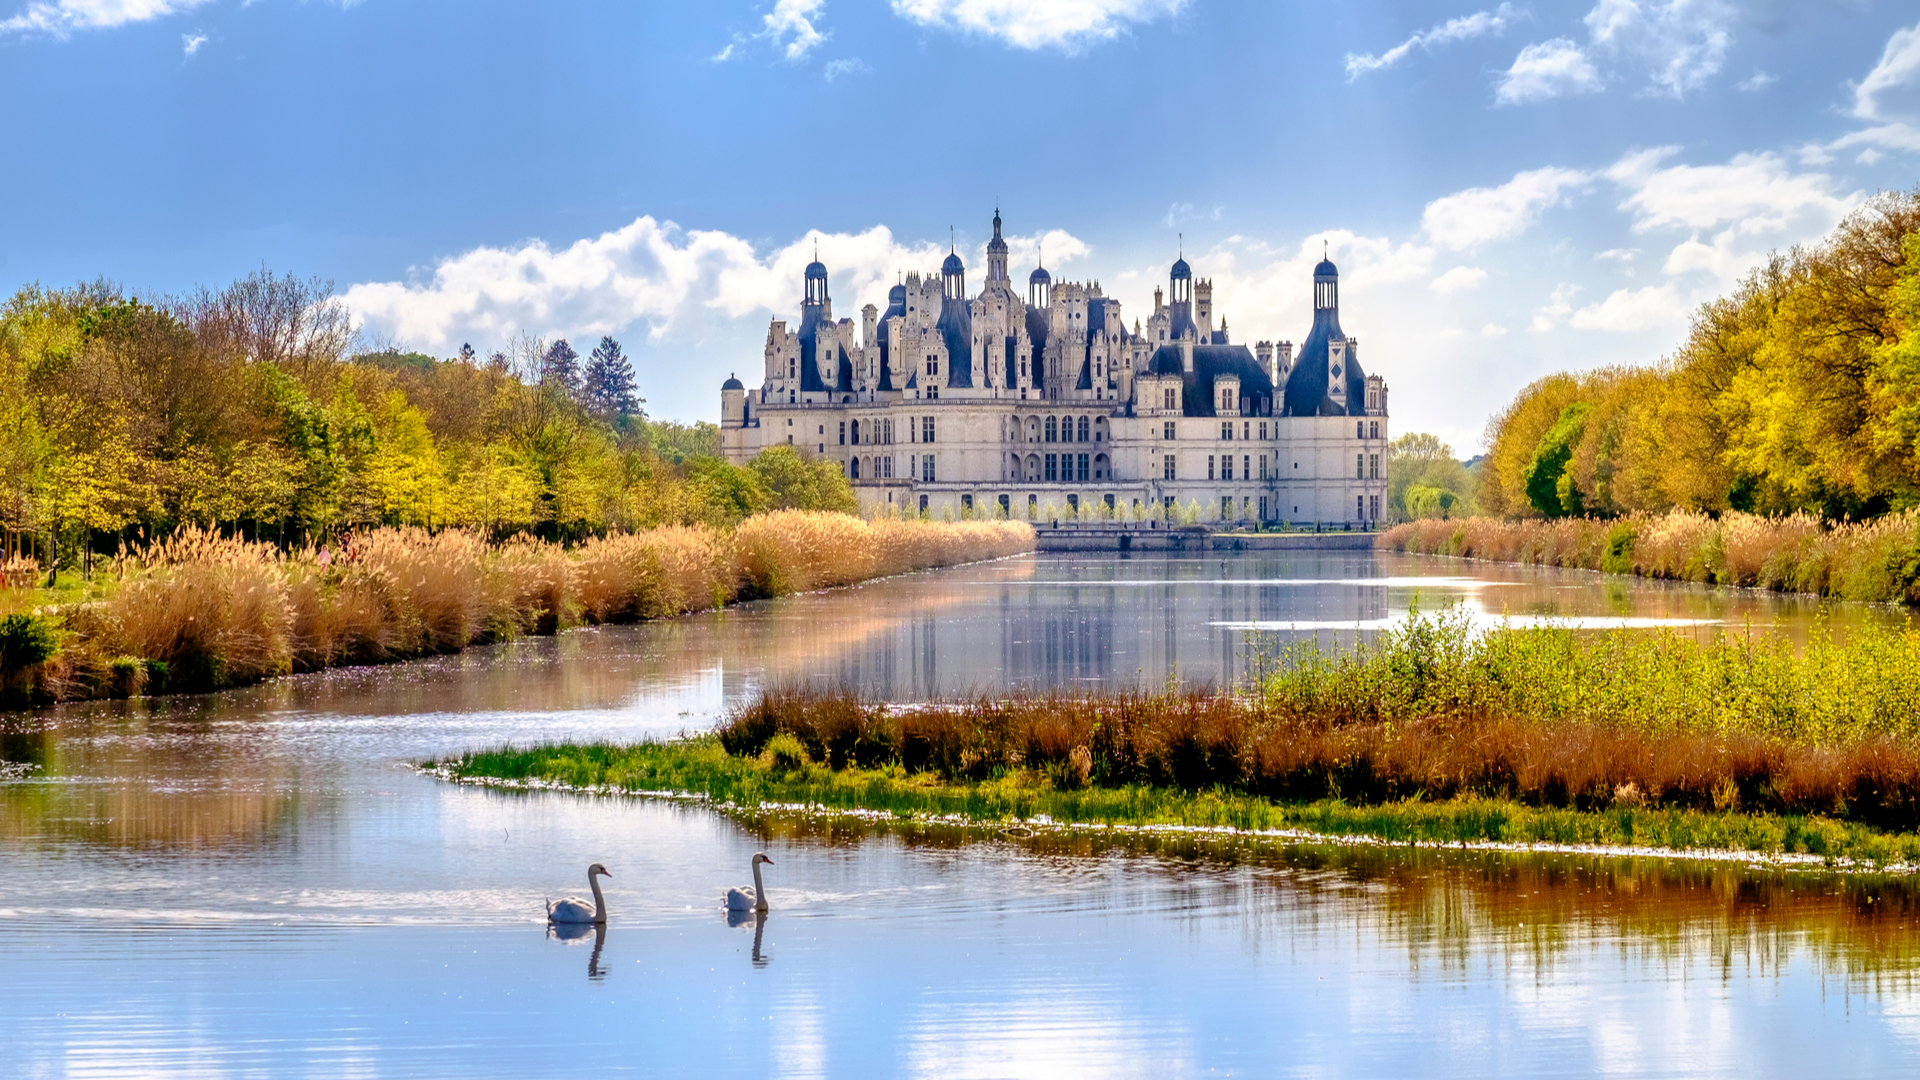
(1053, 429)
(1100, 467)
(855, 466)
(1084, 427)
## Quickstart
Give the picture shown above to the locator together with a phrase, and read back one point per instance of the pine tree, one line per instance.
(608, 385)
(560, 368)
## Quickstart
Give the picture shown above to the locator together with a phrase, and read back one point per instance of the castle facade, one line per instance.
(999, 405)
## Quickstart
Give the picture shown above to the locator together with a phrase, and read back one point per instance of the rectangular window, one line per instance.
(1167, 432)
(1081, 467)
(1246, 467)
(1360, 507)
(926, 469)
(1373, 466)
(1246, 429)
(1373, 507)
(910, 429)
(1359, 467)
(1263, 471)
(1263, 431)
(1209, 466)
(1226, 508)
(1373, 429)
(1166, 468)
(1171, 405)
(926, 429)
(1006, 507)
(1263, 508)
(1226, 430)
(1226, 466)
(1053, 467)
(843, 433)
(887, 468)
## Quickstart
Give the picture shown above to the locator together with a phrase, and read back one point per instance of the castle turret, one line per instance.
(996, 254)
(733, 403)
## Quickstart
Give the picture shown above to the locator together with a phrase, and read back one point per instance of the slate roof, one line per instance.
(1210, 361)
(1306, 389)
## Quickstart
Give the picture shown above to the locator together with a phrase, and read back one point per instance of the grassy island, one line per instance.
(1431, 733)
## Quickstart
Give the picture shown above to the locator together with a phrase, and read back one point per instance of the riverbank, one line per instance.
(201, 611)
(1876, 560)
(1028, 798)
(1434, 730)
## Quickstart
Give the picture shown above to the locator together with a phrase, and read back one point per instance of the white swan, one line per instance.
(754, 899)
(575, 910)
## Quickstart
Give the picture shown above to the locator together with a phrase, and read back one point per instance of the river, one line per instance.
(258, 883)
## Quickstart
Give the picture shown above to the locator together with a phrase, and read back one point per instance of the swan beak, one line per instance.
(766, 860)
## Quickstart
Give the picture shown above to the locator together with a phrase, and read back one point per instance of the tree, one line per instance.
(1550, 487)
(1425, 480)
(607, 386)
(560, 368)
(795, 482)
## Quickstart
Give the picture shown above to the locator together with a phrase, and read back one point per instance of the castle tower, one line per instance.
(1039, 289)
(996, 254)
(1180, 300)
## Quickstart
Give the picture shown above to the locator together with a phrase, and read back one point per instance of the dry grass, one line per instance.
(201, 611)
(1215, 741)
(1435, 709)
(1876, 560)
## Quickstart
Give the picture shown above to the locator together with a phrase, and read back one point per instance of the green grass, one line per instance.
(701, 766)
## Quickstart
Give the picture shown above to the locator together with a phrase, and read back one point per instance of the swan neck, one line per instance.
(599, 904)
(759, 890)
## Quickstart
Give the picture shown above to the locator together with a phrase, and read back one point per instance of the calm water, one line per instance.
(254, 883)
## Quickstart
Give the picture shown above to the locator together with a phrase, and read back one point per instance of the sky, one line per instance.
(1509, 189)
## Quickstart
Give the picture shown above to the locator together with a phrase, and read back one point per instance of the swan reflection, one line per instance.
(572, 932)
(759, 921)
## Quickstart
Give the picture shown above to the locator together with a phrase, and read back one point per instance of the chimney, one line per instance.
(1186, 353)
(1263, 352)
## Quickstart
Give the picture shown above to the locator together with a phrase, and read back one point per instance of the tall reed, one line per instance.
(1876, 560)
(199, 610)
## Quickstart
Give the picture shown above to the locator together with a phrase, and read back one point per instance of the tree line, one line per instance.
(256, 409)
(1798, 392)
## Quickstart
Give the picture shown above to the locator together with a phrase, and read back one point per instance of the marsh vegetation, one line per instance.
(1433, 731)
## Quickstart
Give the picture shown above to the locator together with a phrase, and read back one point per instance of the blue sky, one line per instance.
(1509, 189)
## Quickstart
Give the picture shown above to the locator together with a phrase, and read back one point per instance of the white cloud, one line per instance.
(790, 23)
(1678, 44)
(62, 17)
(1557, 307)
(1620, 255)
(1464, 28)
(1630, 311)
(1681, 43)
(723, 55)
(1037, 24)
(1493, 330)
(1551, 69)
(1759, 80)
(1475, 216)
(190, 43)
(1759, 193)
(1458, 279)
(837, 69)
(1269, 288)
(1888, 91)
(1889, 97)
(676, 282)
